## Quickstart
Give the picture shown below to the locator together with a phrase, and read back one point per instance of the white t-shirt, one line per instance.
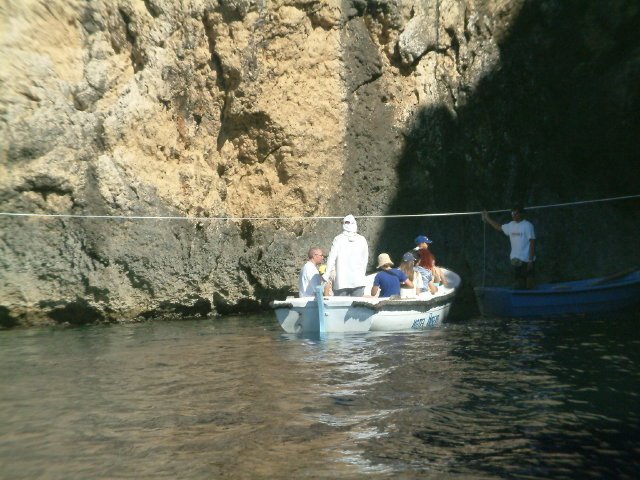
(519, 234)
(309, 280)
(348, 257)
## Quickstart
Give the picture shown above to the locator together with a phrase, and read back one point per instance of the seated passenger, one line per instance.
(411, 270)
(428, 261)
(388, 280)
(407, 267)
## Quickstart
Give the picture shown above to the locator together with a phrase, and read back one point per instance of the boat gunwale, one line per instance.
(406, 302)
(570, 288)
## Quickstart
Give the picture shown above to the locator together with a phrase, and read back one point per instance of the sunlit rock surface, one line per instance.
(249, 109)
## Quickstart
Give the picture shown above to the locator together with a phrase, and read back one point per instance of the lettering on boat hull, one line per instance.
(430, 321)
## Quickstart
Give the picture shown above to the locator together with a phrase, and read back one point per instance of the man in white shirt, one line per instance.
(309, 275)
(348, 259)
(523, 245)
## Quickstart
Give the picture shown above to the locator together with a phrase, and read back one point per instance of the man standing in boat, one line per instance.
(523, 245)
(348, 259)
(309, 275)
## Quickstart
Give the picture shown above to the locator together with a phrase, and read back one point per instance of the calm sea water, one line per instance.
(237, 398)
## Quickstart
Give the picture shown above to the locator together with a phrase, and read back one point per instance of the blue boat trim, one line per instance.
(320, 303)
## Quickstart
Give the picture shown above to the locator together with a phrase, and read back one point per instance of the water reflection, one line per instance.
(515, 406)
(236, 398)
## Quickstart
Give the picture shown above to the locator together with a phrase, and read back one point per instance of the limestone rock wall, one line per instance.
(230, 109)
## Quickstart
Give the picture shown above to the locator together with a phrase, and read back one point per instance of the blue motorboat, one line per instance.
(614, 293)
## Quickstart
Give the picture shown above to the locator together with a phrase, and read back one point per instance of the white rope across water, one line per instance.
(205, 219)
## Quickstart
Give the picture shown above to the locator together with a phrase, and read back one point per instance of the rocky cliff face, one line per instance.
(231, 111)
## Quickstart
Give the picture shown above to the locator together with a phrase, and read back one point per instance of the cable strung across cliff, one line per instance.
(414, 215)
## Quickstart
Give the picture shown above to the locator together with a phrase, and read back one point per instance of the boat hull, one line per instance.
(586, 297)
(414, 317)
(301, 315)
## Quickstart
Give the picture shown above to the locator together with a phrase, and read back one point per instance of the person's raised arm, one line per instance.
(487, 219)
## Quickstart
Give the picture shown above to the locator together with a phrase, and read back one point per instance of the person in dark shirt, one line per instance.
(388, 280)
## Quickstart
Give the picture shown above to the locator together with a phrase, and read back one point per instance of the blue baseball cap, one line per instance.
(422, 239)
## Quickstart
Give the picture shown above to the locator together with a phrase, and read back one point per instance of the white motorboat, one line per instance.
(362, 314)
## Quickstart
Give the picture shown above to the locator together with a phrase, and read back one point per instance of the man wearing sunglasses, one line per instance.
(309, 275)
(523, 245)
(348, 260)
